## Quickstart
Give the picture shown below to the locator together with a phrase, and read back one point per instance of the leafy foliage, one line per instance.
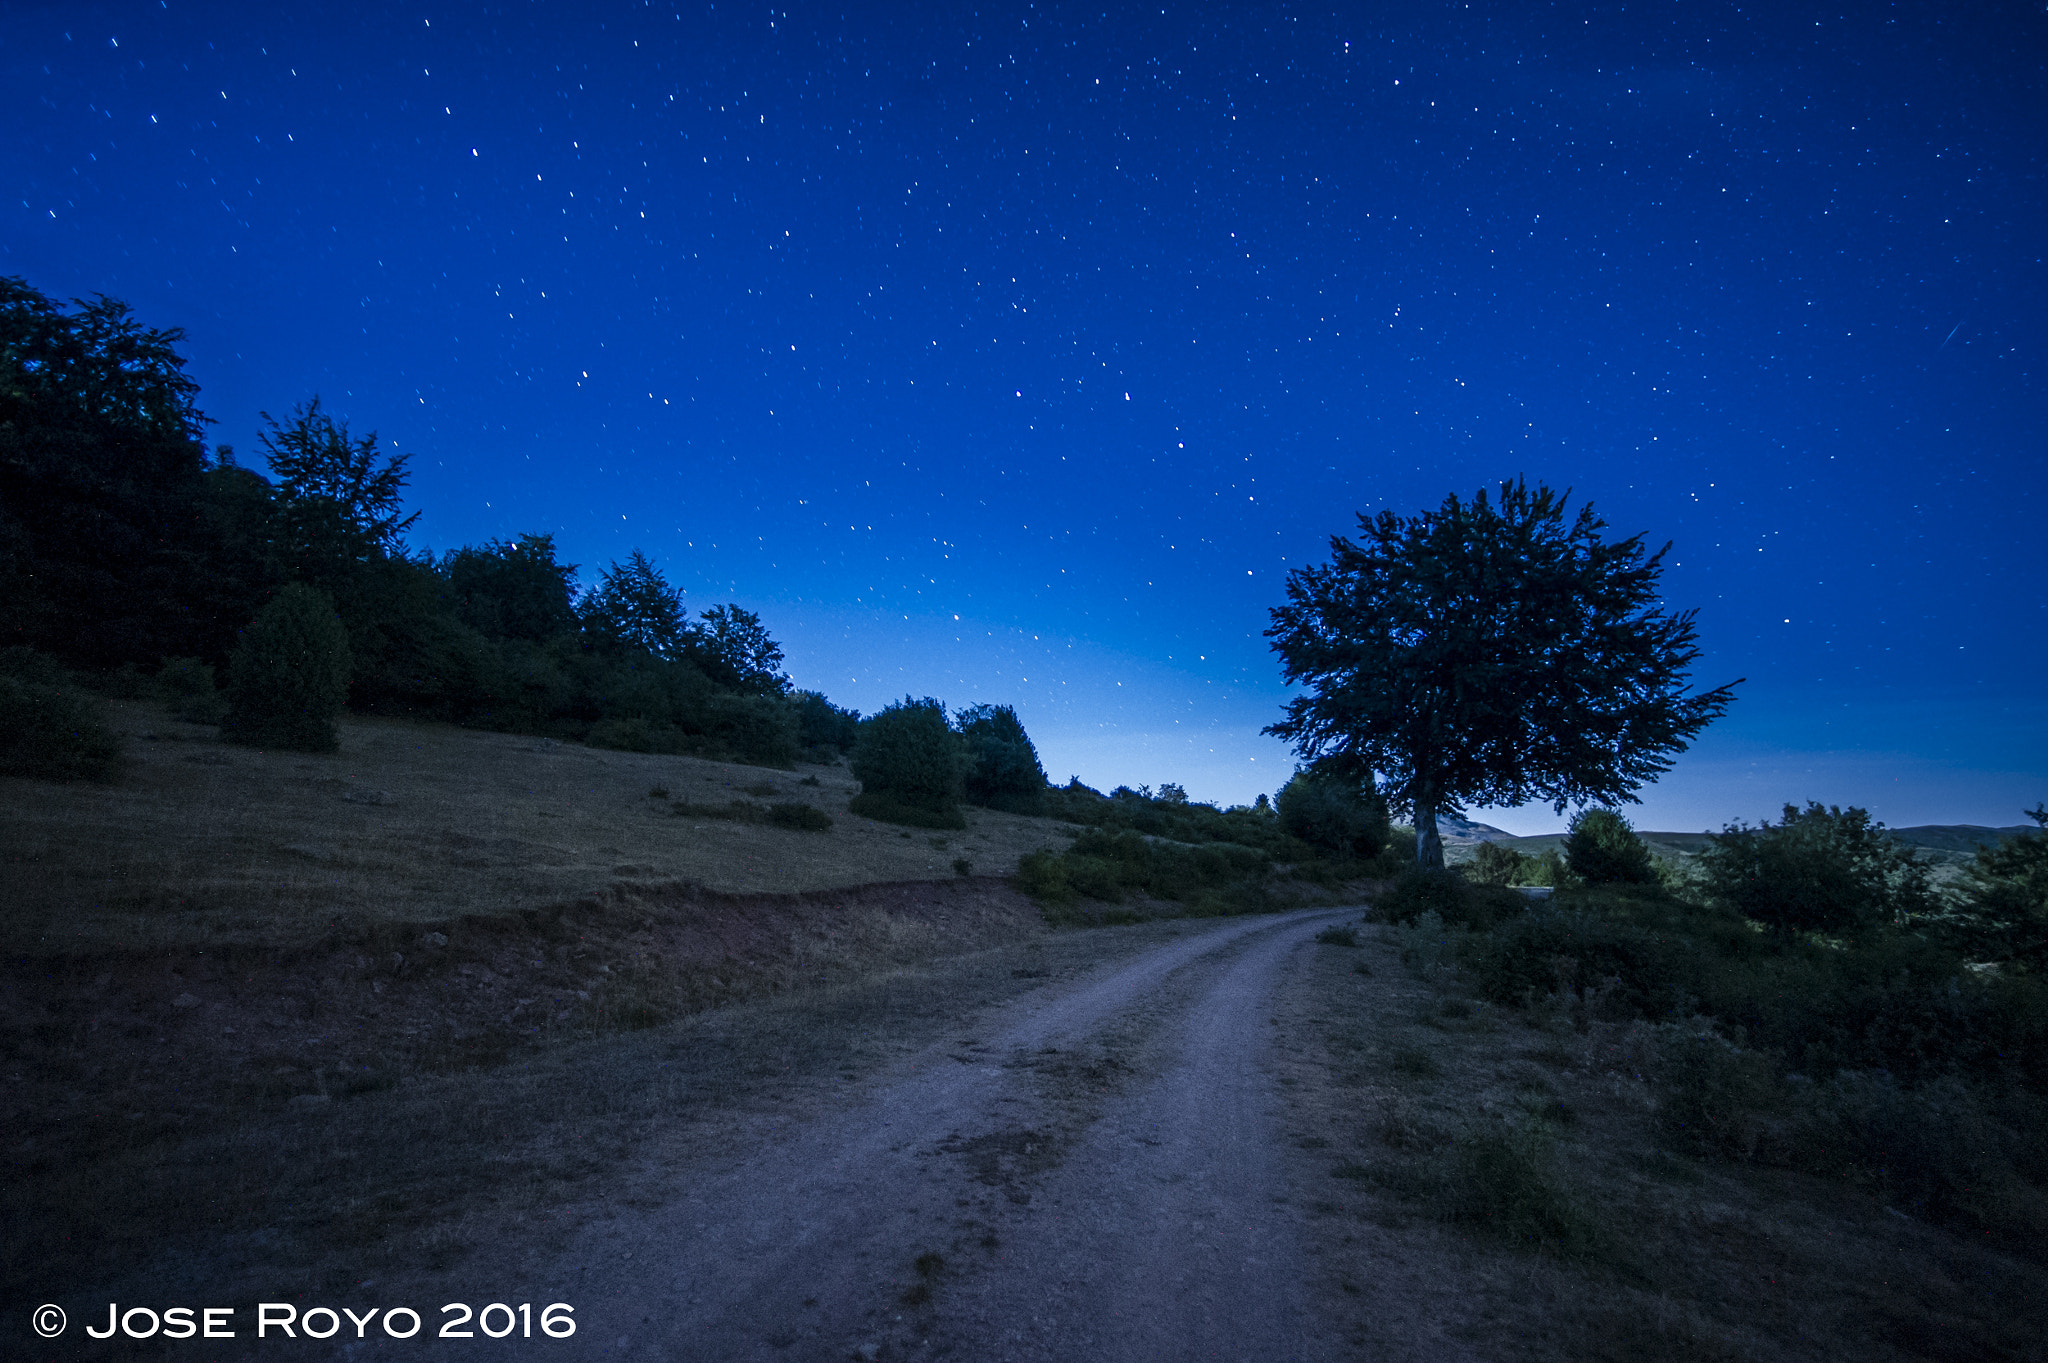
(733, 647)
(1603, 849)
(824, 729)
(513, 589)
(1497, 864)
(188, 689)
(2005, 911)
(1333, 815)
(633, 607)
(909, 759)
(1488, 651)
(47, 731)
(1820, 869)
(1005, 773)
(289, 678)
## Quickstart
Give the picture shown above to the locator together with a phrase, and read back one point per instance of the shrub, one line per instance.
(289, 675)
(1710, 1092)
(758, 729)
(1495, 864)
(824, 730)
(1334, 816)
(187, 688)
(798, 815)
(49, 734)
(1821, 869)
(1602, 849)
(635, 734)
(1498, 1177)
(1005, 773)
(908, 759)
(1454, 899)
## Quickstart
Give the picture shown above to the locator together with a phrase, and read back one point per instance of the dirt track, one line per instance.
(1095, 1175)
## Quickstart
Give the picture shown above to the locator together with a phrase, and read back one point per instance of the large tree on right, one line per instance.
(1494, 651)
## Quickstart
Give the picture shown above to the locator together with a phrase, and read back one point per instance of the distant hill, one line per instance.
(1945, 845)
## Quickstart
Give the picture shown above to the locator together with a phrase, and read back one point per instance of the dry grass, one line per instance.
(202, 843)
(1490, 1184)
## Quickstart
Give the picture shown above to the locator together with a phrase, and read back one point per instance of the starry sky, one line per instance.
(1016, 352)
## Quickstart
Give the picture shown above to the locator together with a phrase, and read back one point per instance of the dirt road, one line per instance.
(1095, 1174)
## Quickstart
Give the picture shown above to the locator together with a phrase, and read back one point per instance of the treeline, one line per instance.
(129, 549)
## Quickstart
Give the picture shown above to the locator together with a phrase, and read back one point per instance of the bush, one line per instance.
(1454, 899)
(289, 675)
(824, 730)
(1005, 773)
(49, 734)
(761, 730)
(796, 814)
(1495, 864)
(909, 759)
(1710, 1092)
(187, 688)
(1602, 849)
(1821, 869)
(1336, 817)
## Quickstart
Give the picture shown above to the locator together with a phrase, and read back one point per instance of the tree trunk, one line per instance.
(1429, 846)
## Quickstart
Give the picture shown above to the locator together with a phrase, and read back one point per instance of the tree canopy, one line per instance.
(1495, 651)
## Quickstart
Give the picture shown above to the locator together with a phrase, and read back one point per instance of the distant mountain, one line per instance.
(1465, 833)
(1946, 845)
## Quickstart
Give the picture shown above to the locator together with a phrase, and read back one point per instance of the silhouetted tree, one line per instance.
(733, 648)
(513, 589)
(910, 765)
(340, 502)
(1489, 651)
(634, 607)
(289, 677)
(1603, 849)
(100, 467)
(1820, 869)
(1334, 814)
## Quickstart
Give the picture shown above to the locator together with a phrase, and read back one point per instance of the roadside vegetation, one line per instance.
(1800, 999)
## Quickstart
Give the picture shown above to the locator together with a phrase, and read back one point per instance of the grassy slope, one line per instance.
(204, 843)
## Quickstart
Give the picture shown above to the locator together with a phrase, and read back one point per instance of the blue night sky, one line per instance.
(1016, 354)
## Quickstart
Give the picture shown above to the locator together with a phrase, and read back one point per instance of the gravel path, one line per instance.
(1095, 1174)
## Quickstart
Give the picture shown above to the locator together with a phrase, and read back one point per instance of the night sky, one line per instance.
(1016, 354)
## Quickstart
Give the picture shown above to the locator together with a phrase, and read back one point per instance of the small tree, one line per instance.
(1006, 774)
(1495, 864)
(1488, 652)
(1333, 815)
(342, 502)
(513, 589)
(289, 676)
(733, 647)
(1602, 849)
(1820, 869)
(910, 765)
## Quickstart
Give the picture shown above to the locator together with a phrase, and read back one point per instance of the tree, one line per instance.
(733, 647)
(634, 607)
(1006, 774)
(2006, 898)
(101, 464)
(289, 678)
(1490, 652)
(1603, 849)
(513, 589)
(1820, 869)
(910, 765)
(1333, 814)
(341, 503)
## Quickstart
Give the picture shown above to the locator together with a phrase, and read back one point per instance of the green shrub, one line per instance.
(1453, 898)
(909, 760)
(187, 688)
(1496, 864)
(50, 734)
(1710, 1092)
(798, 815)
(824, 730)
(635, 734)
(1498, 1177)
(1043, 876)
(761, 730)
(1821, 869)
(1602, 849)
(289, 675)
(1334, 816)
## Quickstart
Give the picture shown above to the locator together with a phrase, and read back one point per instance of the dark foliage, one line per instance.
(1180, 821)
(289, 677)
(48, 732)
(1211, 878)
(909, 759)
(2004, 916)
(1489, 651)
(1495, 864)
(1005, 773)
(824, 730)
(733, 648)
(513, 589)
(1333, 814)
(1820, 869)
(1603, 849)
(1450, 896)
(187, 688)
